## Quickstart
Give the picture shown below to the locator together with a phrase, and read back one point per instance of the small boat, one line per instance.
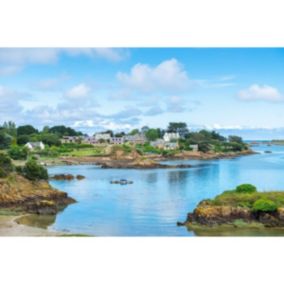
(267, 152)
(122, 181)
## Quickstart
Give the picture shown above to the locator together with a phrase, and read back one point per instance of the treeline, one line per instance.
(12, 135)
(12, 138)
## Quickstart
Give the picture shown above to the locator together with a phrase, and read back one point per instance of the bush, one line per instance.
(246, 188)
(264, 205)
(6, 166)
(33, 171)
(18, 153)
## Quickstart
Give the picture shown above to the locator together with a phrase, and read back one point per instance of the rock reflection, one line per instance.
(40, 221)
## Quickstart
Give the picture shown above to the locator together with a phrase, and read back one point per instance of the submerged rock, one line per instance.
(66, 177)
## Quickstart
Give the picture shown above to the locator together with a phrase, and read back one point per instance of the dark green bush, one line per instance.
(6, 166)
(33, 171)
(264, 205)
(18, 153)
(246, 188)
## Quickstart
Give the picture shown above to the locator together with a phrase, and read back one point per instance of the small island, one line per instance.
(243, 207)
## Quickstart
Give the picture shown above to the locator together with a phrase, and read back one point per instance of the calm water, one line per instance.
(158, 198)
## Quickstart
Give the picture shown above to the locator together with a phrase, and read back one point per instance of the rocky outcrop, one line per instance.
(210, 215)
(138, 164)
(20, 194)
(66, 177)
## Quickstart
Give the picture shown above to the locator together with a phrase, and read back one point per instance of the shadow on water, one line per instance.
(151, 177)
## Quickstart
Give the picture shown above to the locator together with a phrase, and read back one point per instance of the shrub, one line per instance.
(264, 205)
(18, 153)
(33, 171)
(246, 188)
(5, 165)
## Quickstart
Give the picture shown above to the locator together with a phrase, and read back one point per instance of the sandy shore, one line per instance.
(9, 227)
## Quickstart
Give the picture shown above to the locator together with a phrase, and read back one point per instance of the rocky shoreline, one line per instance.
(139, 162)
(241, 207)
(146, 164)
(220, 215)
(22, 195)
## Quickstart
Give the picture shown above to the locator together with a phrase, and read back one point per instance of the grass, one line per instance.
(233, 198)
(95, 151)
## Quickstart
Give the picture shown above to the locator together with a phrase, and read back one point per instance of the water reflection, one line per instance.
(40, 221)
(175, 177)
(158, 198)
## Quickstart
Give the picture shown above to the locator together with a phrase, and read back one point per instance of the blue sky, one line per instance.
(238, 91)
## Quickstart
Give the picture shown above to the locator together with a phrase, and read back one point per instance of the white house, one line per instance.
(171, 136)
(135, 139)
(102, 136)
(35, 145)
(194, 147)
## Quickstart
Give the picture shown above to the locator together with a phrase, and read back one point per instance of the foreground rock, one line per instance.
(22, 195)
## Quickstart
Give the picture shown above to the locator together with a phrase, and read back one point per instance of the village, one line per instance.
(169, 141)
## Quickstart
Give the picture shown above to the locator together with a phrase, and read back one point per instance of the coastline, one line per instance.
(10, 228)
(100, 160)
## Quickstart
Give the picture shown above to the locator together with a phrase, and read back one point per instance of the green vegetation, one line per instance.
(264, 205)
(6, 166)
(250, 198)
(153, 134)
(13, 139)
(246, 188)
(18, 153)
(33, 171)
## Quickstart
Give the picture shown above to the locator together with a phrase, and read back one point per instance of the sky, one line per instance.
(233, 91)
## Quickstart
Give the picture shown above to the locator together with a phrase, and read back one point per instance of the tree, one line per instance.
(6, 166)
(152, 134)
(178, 127)
(119, 134)
(144, 129)
(10, 128)
(236, 139)
(5, 139)
(134, 132)
(50, 139)
(203, 146)
(33, 171)
(62, 130)
(26, 130)
(23, 139)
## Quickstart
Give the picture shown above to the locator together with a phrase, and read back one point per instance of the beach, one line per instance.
(9, 227)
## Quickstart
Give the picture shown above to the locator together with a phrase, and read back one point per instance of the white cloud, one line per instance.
(78, 92)
(110, 54)
(9, 103)
(13, 60)
(260, 93)
(9, 70)
(169, 75)
(19, 56)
